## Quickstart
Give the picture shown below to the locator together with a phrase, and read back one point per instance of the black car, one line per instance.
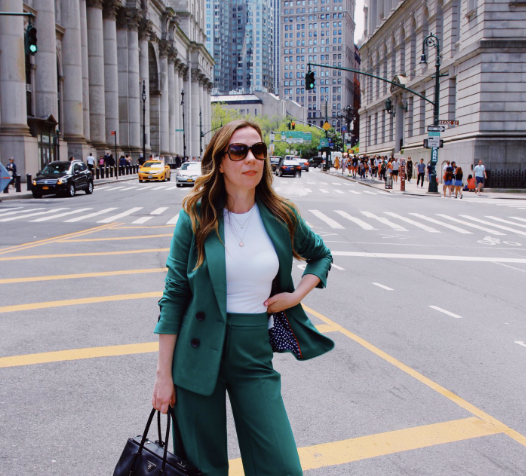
(288, 167)
(63, 178)
(316, 161)
(274, 161)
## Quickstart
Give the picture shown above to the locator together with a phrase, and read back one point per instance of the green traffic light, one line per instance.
(33, 48)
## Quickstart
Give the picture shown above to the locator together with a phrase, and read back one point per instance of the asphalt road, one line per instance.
(425, 303)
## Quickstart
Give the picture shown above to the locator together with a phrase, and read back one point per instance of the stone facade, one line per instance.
(82, 91)
(483, 53)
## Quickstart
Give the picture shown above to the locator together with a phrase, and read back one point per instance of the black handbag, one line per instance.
(142, 457)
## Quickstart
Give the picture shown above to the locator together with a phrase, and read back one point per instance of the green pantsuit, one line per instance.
(254, 389)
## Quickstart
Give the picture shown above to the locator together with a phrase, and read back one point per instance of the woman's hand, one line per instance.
(281, 301)
(163, 393)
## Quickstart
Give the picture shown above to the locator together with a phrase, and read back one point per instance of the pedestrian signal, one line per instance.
(310, 80)
(289, 125)
(293, 125)
(31, 40)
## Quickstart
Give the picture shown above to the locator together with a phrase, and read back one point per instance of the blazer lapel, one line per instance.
(280, 238)
(215, 257)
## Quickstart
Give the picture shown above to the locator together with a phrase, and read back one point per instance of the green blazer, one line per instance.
(193, 305)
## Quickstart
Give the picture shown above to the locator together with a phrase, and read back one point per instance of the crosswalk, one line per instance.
(335, 219)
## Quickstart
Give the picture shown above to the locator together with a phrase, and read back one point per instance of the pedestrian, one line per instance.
(11, 168)
(480, 176)
(101, 161)
(90, 161)
(354, 167)
(396, 167)
(177, 161)
(458, 181)
(71, 159)
(421, 169)
(233, 242)
(448, 180)
(409, 169)
(140, 161)
(444, 169)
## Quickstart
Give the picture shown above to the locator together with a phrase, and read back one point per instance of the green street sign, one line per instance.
(179, 130)
(324, 142)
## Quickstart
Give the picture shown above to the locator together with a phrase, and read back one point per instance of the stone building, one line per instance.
(483, 53)
(317, 31)
(83, 90)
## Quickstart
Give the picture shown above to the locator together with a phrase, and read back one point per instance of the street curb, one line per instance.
(26, 194)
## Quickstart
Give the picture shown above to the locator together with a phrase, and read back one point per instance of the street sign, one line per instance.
(436, 128)
(433, 142)
(434, 155)
(5, 177)
(271, 135)
(179, 130)
(326, 126)
(449, 123)
(344, 128)
(324, 142)
(113, 133)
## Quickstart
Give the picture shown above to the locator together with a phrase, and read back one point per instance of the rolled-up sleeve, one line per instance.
(177, 291)
(311, 247)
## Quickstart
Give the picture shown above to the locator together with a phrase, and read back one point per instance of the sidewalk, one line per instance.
(412, 189)
(12, 195)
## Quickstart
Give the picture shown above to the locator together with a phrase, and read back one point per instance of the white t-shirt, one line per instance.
(90, 160)
(395, 165)
(250, 269)
(479, 170)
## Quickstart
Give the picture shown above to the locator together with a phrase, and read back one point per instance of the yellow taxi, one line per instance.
(153, 170)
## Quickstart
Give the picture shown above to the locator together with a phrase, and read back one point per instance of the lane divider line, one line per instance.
(501, 427)
(443, 311)
(383, 287)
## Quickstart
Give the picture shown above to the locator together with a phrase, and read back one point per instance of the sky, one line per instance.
(358, 18)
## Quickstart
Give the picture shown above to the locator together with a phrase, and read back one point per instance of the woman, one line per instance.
(459, 175)
(448, 180)
(232, 247)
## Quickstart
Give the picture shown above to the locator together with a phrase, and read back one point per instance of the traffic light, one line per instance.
(310, 80)
(31, 40)
(289, 124)
(293, 125)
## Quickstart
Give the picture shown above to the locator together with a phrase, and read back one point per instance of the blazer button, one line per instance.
(195, 343)
(200, 316)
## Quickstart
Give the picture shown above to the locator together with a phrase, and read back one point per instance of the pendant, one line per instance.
(241, 244)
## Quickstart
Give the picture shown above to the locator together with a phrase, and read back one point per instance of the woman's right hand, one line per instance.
(163, 393)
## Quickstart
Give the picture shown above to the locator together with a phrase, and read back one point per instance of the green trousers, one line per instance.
(254, 388)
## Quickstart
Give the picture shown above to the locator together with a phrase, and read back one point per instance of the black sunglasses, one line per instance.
(237, 151)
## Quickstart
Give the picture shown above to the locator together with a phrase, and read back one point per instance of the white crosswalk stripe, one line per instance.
(519, 218)
(311, 183)
(324, 183)
(172, 188)
(385, 221)
(60, 215)
(129, 188)
(355, 192)
(141, 220)
(500, 227)
(470, 225)
(173, 220)
(441, 223)
(413, 222)
(359, 222)
(120, 215)
(159, 211)
(159, 187)
(332, 223)
(506, 221)
(323, 190)
(338, 191)
(111, 189)
(14, 212)
(370, 193)
(90, 215)
(19, 217)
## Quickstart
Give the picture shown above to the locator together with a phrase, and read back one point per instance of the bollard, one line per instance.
(17, 184)
(111, 172)
(97, 173)
(102, 172)
(29, 182)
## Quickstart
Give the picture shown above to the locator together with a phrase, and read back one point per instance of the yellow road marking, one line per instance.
(118, 238)
(78, 354)
(426, 381)
(87, 353)
(82, 275)
(76, 255)
(32, 244)
(371, 446)
(76, 302)
(326, 328)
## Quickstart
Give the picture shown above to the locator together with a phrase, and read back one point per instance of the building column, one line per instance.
(188, 110)
(73, 79)
(97, 110)
(144, 73)
(165, 113)
(45, 87)
(203, 115)
(122, 67)
(134, 86)
(111, 85)
(85, 70)
(171, 101)
(194, 125)
(177, 100)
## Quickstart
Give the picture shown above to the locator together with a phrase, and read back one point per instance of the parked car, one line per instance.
(63, 178)
(274, 161)
(188, 173)
(288, 167)
(154, 170)
(316, 161)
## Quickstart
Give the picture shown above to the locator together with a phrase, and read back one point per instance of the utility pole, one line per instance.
(200, 133)
(184, 133)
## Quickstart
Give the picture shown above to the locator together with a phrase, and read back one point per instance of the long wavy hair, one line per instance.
(209, 191)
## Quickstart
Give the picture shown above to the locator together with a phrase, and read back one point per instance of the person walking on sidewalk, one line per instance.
(90, 161)
(233, 243)
(448, 180)
(421, 169)
(396, 167)
(11, 168)
(459, 175)
(480, 176)
(409, 169)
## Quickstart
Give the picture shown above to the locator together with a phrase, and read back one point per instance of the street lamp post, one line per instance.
(144, 120)
(184, 133)
(432, 41)
(200, 133)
